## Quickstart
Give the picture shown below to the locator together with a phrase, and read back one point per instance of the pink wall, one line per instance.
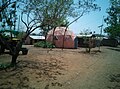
(68, 42)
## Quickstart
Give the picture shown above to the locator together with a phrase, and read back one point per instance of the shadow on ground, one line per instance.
(18, 77)
(115, 81)
(114, 48)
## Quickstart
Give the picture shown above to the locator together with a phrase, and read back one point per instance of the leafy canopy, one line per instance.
(113, 19)
(52, 13)
(8, 14)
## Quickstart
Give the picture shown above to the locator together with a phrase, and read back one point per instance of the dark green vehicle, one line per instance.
(12, 41)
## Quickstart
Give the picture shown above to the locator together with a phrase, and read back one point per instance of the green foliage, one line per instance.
(4, 66)
(53, 13)
(20, 35)
(113, 19)
(8, 14)
(10, 31)
(113, 30)
(44, 44)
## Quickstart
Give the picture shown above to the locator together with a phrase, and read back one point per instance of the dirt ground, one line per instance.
(63, 69)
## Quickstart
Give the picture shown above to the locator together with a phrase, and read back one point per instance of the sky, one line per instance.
(92, 20)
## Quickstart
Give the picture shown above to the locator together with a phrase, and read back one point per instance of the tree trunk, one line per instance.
(90, 44)
(64, 38)
(53, 40)
(14, 58)
(16, 51)
(45, 46)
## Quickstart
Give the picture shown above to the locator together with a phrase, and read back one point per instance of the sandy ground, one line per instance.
(67, 69)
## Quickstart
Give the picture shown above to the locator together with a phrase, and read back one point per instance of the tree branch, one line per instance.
(76, 18)
(24, 21)
(5, 5)
(32, 21)
(35, 28)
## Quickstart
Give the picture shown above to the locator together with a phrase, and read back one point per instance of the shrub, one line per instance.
(44, 44)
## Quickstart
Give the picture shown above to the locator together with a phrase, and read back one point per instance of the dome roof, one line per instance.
(60, 31)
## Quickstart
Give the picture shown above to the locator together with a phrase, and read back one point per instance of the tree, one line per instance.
(14, 50)
(45, 14)
(53, 13)
(113, 19)
(8, 15)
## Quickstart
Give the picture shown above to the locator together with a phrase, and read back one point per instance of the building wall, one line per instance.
(30, 41)
(27, 41)
(68, 41)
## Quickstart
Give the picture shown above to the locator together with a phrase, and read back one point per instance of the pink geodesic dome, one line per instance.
(59, 37)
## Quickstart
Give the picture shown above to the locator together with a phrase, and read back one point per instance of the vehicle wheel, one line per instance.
(24, 51)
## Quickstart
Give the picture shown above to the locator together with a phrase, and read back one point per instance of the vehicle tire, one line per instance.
(24, 51)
